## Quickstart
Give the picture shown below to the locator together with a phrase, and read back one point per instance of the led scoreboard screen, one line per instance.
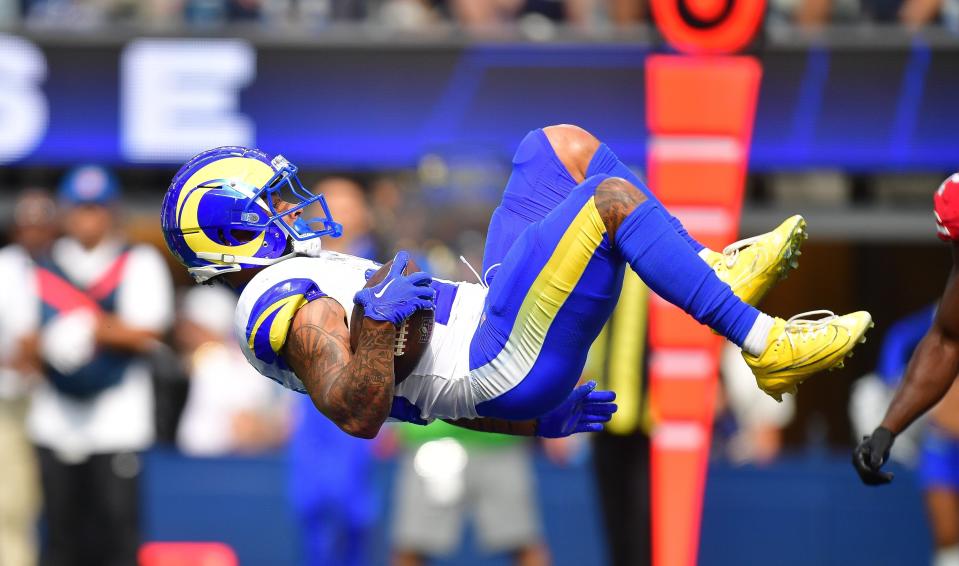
(375, 105)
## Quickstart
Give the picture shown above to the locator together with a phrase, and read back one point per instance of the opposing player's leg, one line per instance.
(551, 161)
(560, 281)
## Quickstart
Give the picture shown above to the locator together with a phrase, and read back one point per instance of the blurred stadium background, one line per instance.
(408, 111)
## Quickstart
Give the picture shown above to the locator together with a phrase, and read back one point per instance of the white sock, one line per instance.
(755, 341)
(704, 254)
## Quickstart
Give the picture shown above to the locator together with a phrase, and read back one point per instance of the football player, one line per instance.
(510, 349)
(935, 362)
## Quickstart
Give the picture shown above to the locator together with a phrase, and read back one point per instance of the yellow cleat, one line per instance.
(799, 347)
(752, 266)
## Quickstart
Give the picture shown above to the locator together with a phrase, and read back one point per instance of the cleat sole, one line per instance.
(790, 257)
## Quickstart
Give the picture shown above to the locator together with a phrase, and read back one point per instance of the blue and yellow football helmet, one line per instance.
(220, 213)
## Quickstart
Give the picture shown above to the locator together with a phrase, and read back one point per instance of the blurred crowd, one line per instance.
(535, 17)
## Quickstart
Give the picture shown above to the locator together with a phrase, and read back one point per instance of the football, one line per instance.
(413, 335)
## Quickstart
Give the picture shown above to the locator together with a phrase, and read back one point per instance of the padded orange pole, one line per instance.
(700, 112)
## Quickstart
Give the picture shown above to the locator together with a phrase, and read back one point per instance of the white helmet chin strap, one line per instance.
(230, 263)
(309, 248)
(202, 274)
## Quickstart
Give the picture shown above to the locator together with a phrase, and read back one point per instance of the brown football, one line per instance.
(413, 335)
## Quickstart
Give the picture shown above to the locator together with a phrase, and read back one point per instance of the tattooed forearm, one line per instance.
(318, 347)
(616, 199)
(354, 391)
(363, 391)
(501, 426)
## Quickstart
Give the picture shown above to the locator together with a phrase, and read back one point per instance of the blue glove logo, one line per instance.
(383, 290)
(398, 296)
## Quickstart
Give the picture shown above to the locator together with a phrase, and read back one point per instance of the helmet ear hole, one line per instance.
(243, 236)
(234, 236)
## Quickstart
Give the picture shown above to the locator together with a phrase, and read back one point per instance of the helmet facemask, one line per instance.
(285, 186)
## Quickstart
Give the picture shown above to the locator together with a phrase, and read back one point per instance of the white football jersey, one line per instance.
(439, 386)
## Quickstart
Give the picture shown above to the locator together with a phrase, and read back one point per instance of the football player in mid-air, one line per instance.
(935, 362)
(506, 353)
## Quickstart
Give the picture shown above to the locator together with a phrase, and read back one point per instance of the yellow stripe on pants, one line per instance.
(546, 296)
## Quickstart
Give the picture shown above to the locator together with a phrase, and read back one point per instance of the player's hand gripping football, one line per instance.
(398, 296)
(584, 410)
(871, 454)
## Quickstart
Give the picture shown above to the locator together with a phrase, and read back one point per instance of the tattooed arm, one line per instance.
(354, 391)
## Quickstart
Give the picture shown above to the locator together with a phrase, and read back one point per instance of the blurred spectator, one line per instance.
(89, 15)
(449, 474)
(350, 208)
(386, 198)
(626, 13)
(9, 12)
(331, 483)
(239, 10)
(913, 14)
(215, 12)
(230, 408)
(104, 306)
(331, 490)
(617, 361)
(34, 229)
(205, 12)
(405, 14)
(939, 477)
(813, 14)
(758, 420)
(76, 14)
(536, 17)
(400, 218)
(158, 13)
